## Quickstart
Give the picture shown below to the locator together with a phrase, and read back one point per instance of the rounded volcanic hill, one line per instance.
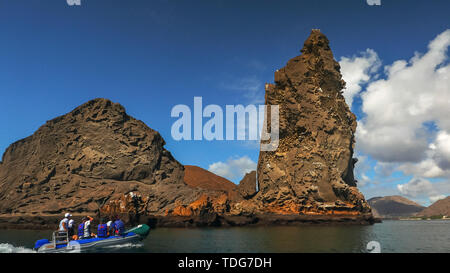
(79, 161)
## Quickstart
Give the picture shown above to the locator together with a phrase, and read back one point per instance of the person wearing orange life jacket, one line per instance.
(102, 230)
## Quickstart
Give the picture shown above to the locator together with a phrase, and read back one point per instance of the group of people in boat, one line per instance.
(113, 227)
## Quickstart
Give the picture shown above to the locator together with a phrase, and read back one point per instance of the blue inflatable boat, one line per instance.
(133, 235)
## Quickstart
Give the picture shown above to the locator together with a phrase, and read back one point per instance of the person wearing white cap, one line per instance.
(64, 224)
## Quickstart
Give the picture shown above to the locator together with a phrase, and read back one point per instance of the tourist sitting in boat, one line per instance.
(64, 223)
(110, 226)
(119, 226)
(84, 229)
(102, 230)
(81, 228)
(71, 228)
(87, 228)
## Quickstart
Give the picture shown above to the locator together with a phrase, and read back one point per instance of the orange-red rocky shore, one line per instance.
(100, 161)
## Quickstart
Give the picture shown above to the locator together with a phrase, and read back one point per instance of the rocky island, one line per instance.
(98, 160)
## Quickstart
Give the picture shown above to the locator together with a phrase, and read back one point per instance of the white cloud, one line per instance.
(397, 108)
(416, 187)
(436, 198)
(427, 168)
(406, 117)
(419, 188)
(385, 169)
(378, 188)
(441, 149)
(233, 169)
(361, 168)
(356, 71)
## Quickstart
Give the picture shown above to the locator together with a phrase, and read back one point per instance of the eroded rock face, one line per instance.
(80, 161)
(311, 172)
(247, 186)
(206, 204)
(98, 159)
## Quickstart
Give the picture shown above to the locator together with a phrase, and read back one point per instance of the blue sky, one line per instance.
(152, 55)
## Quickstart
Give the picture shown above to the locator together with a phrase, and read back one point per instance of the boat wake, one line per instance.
(125, 246)
(9, 248)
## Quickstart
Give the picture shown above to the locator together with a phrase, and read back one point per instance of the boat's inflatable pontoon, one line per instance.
(133, 235)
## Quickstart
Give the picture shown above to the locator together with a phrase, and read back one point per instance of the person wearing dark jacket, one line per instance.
(71, 228)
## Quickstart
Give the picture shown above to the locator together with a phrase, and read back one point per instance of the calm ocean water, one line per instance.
(393, 236)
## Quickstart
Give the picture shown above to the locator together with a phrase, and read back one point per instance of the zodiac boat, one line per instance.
(61, 243)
